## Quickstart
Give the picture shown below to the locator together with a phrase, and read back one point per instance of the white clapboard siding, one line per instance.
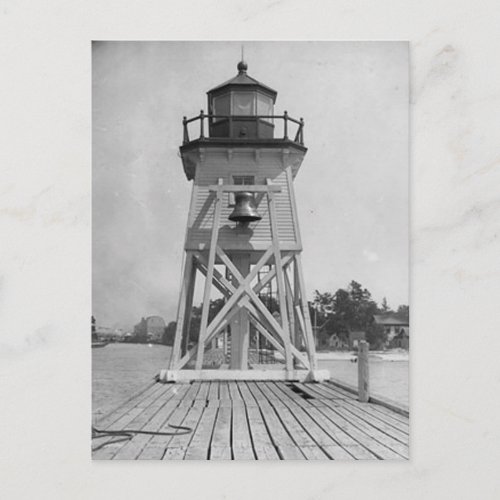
(215, 165)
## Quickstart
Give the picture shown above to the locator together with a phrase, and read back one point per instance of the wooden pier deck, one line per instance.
(253, 421)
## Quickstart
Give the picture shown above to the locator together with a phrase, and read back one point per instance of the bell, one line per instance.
(245, 210)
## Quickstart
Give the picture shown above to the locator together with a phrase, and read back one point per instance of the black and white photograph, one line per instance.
(250, 292)
(277, 221)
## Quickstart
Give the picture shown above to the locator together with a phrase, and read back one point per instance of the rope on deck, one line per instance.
(127, 434)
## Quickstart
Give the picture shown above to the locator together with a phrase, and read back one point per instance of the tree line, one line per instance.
(351, 309)
(348, 309)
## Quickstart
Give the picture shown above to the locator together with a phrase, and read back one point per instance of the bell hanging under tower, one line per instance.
(243, 239)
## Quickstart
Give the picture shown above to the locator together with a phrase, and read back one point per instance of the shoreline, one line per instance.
(391, 355)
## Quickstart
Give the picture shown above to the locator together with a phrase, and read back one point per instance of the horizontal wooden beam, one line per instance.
(253, 188)
(261, 374)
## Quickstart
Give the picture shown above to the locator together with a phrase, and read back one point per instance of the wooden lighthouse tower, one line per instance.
(243, 239)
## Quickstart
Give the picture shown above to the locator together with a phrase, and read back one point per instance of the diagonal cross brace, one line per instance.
(245, 286)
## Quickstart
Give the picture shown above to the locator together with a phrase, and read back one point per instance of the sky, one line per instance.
(351, 191)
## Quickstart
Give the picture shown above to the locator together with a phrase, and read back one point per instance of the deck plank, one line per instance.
(191, 393)
(203, 392)
(177, 446)
(300, 437)
(150, 419)
(241, 440)
(213, 392)
(400, 423)
(383, 433)
(357, 448)
(262, 443)
(339, 392)
(135, 418)
(374, 433)
(378, 423)
(155, 447)
(285, 445)
(110, 418)
(337, 446)
(246, 395)
(234, 392)
(248, 420)
(220, 447)
(199, 447)
(397, 421)
(373, 446)
(224, 391)
(353, 399)
(133, 448)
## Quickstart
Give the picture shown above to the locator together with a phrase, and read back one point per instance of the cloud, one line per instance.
(371, 256)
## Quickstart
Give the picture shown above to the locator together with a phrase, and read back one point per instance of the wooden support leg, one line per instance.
(181, 310)
(280, 279)
(300, 340)
(291, 312)
(209, 278)
(189, 307)
(305, 312)
(240, 325)
(298, 308)
(224, 343)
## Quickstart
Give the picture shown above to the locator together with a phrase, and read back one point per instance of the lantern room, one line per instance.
(241, 108)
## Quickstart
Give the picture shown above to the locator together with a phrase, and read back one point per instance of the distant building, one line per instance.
(355, 337)
(402, 339)
(150, 329)
(108, 334)
(336, 343)
(397, 330)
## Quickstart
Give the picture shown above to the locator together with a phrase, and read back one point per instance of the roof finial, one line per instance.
(242, 65)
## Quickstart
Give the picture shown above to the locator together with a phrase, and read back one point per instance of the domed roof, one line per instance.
(243, 80)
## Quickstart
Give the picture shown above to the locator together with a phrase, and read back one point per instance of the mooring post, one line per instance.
(363, 372)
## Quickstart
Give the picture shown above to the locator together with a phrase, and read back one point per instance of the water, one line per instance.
(388, 379)
(121, 370)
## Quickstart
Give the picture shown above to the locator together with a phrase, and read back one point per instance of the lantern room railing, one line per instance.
(290, 125)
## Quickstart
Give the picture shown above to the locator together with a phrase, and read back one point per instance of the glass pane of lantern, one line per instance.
(243, 103)
(221, 106)
(264, 106)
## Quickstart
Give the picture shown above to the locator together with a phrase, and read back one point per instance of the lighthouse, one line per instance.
(243, 242)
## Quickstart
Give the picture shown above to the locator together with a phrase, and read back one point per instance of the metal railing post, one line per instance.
(185, 138)
(202, 125)
(285, 116)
